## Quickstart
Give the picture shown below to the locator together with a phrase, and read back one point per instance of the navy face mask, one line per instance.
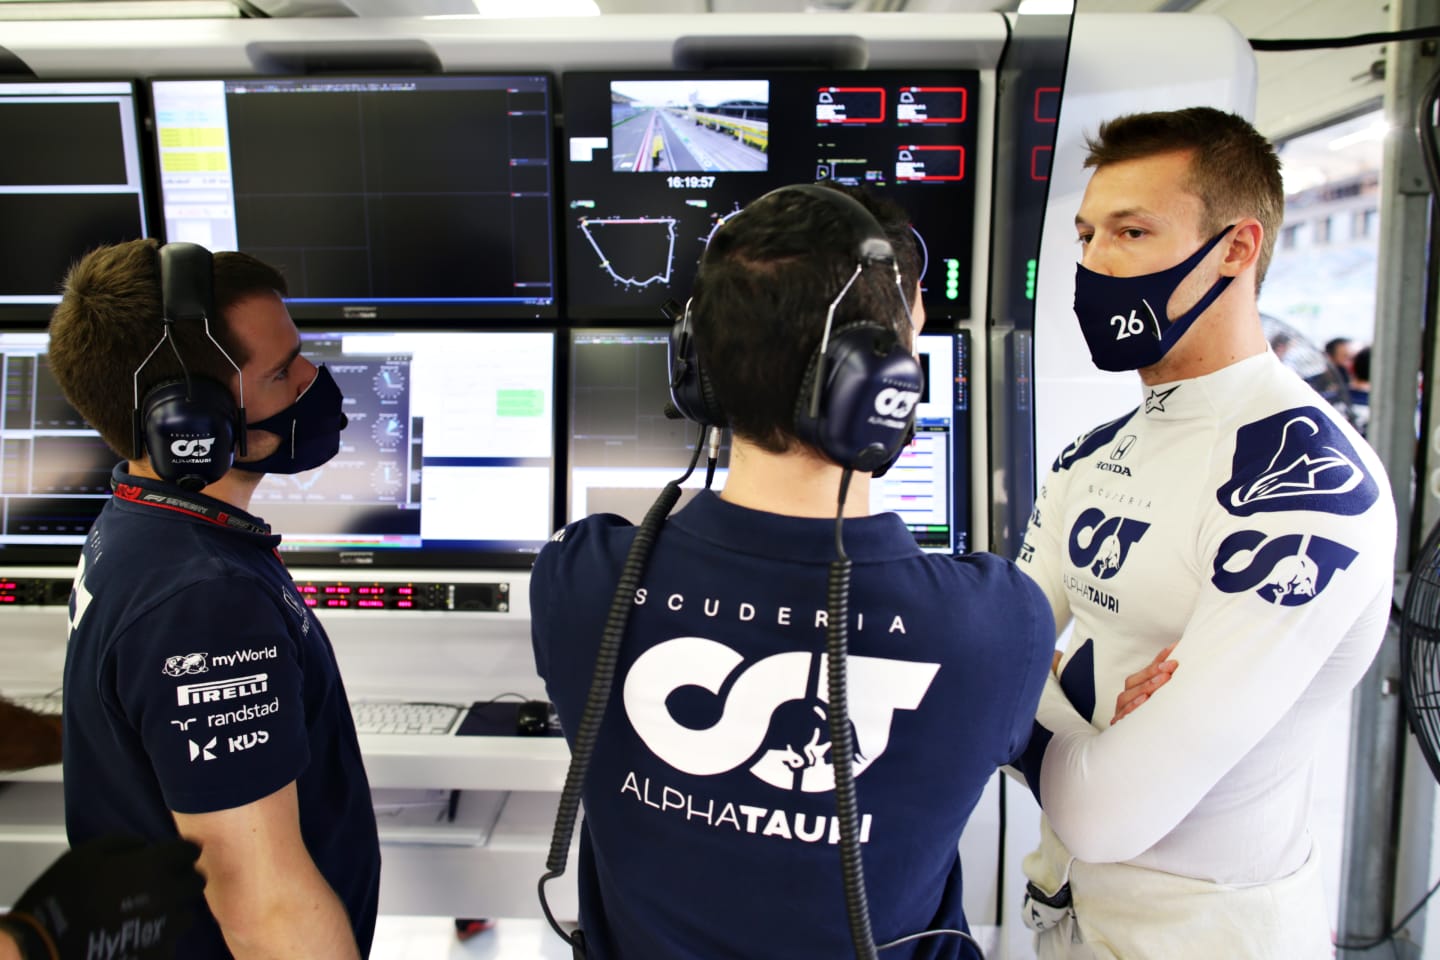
(1123, 318)
(309, 429)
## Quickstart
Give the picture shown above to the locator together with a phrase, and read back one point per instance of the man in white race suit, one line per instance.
(1225, 552)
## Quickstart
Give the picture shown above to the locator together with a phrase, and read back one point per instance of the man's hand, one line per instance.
(111, 898)
(1140, 685)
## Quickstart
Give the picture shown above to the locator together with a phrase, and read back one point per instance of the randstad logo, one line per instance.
(197, 447)
(1102, 543)
(891, 402)
(1287, 570)
(767, 722)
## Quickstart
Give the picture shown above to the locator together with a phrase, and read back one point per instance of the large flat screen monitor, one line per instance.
(71, 179)
(54, 469)
(448, 457)
(653, 162)
(623, 449)
(383, 197)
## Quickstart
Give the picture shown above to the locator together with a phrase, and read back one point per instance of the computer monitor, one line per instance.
(380, 197)
(448, 457)
(653, 162)
(623, 449)
(54, 469)
(71, 179)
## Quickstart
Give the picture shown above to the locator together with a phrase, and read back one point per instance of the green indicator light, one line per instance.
(1030, 266)
(952, 267)
(952, 294)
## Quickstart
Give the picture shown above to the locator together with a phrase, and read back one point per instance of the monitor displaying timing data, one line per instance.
(623, 449)
(448, 456)
(54, 469)
(389, 197)
(70, 180)
(654, 162)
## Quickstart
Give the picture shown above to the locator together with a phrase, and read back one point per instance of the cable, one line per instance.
(842, 752)
(1389, 935)
(1359, 40)
(842, 746)
(606, 656)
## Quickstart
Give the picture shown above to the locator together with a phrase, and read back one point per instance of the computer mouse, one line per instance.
(534, 718)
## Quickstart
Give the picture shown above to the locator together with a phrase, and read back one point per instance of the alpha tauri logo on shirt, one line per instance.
(769, 716)
(1288, 570)
(1296, 460)
(1102, 543)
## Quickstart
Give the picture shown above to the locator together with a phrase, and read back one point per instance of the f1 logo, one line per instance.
(891, 402)
(199, 447)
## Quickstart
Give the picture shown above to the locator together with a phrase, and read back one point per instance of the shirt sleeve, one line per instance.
(1295, 605)
(211, 681)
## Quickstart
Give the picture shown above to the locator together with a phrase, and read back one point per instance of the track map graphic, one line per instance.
(662, 229)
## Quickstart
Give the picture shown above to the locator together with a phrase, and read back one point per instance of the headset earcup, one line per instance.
(690, 390)
(189, 431)
(871, 386)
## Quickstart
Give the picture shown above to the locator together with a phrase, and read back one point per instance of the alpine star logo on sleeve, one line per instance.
(1296, 460)
(768, 722)
(1102, 543)
(1288, 570)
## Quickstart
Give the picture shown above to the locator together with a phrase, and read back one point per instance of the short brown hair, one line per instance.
(109, 319)
(1233, 169)
(765, 285)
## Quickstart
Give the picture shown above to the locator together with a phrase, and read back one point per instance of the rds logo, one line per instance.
(1102, 543)
(199, 447)
(891, 402)
(1287, 570)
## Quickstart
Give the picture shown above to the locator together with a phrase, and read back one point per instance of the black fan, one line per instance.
(1420, 651)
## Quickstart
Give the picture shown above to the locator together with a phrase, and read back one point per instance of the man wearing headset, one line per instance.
(1225, 553)
(201, 695)
(710, 824)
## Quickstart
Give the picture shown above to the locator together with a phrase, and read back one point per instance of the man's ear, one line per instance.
(1242, 247)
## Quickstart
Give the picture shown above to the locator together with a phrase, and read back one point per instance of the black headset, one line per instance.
(190, 427)
(858, 396)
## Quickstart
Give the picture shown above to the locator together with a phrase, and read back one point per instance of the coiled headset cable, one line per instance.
(842, 752)
(601, 681)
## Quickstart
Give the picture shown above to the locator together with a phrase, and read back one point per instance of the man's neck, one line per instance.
(235, 488)
(794, 484)
(1228, 332)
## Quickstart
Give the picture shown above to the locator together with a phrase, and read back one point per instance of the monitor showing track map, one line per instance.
(654, 162)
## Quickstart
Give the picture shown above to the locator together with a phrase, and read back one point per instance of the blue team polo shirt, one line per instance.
(197, 680)
(709, 827)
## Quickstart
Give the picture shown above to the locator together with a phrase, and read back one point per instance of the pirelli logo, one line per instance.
(214, 691)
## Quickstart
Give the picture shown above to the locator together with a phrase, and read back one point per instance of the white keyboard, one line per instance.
(38, 703)
(391, 717)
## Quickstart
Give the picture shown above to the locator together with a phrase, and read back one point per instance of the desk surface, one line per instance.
(447, 762)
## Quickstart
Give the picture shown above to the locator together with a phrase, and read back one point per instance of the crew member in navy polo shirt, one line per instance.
(202, 697)
(709, 804)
